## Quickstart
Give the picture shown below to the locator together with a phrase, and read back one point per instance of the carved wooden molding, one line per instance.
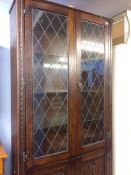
(21, 87)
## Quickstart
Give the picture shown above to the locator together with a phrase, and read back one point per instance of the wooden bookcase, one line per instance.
(61, 90)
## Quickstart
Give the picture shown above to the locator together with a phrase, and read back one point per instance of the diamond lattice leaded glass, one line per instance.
(50, 83)
(92, 83)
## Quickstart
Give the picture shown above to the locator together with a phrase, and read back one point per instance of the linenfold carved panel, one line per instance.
(94, 167)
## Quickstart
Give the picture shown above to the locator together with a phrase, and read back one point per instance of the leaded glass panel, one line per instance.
(92, 82)
(50, 83)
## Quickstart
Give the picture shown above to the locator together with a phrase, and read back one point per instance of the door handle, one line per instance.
(80, 85)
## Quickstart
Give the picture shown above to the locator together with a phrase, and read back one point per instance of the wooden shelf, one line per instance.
(93, 59)
(52, 92)
(93, 91)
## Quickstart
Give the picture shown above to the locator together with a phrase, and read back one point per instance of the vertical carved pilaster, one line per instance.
(21, 86)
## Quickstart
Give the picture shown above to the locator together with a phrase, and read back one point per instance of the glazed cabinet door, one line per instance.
(49, 101)
(93, 88)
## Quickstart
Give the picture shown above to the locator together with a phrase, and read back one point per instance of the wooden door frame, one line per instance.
(71, 92)
(106, 144)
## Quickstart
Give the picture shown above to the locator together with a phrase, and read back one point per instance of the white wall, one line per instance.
(4, 25)
(122, 109)
(5, 85)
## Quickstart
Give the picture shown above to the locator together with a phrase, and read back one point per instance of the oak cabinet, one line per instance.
(61, 95)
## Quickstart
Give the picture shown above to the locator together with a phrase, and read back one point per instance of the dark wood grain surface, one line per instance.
(93, 159)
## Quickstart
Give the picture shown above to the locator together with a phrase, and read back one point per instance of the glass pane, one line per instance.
(92, 83)
(50, 83)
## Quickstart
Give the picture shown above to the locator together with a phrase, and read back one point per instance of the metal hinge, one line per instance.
(109, 82)
(108, 155)
(14, 172)
(26, 12)
(108, 144)
(24, 83)
(108, 135)
(25, 156)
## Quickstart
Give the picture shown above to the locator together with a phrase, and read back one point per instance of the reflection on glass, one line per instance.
(50, 83)
(92, 80)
